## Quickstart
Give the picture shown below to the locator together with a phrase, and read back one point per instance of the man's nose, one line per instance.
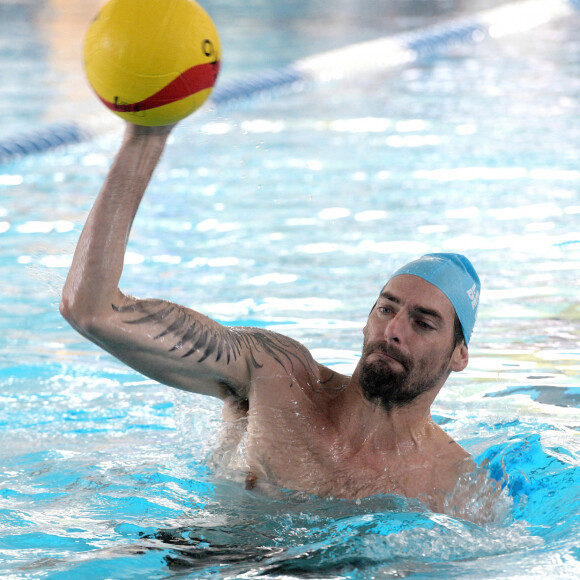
(395, 328)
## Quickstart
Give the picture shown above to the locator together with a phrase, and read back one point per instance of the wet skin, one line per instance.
(306, 427)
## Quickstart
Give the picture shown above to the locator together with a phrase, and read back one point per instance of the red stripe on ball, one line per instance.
(193, 80)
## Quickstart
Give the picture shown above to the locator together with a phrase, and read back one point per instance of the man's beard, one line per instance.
(392, 388)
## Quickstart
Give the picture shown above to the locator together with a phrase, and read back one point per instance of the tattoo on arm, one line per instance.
(193, 336)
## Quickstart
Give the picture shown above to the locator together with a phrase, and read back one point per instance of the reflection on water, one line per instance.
(549, 395)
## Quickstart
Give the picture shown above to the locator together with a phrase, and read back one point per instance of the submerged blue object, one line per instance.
(456, 277)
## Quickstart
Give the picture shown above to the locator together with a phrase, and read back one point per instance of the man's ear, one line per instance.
(459, 358)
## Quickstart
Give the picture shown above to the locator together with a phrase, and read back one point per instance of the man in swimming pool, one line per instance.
(308, 428)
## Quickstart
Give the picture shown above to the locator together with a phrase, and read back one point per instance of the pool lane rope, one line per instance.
(347, 62)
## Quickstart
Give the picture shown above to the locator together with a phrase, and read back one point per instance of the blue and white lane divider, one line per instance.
(349, 61)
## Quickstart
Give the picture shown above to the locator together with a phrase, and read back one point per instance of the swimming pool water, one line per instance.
(288, 213)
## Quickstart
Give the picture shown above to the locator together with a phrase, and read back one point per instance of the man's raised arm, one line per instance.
(167, 342)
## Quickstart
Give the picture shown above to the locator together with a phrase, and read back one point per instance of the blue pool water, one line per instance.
(288, 212)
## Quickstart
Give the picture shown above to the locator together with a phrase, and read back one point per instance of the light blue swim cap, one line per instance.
(455, 276)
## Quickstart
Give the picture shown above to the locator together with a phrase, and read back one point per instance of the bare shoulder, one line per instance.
(466, 489)
(280, 360)
(447, 447)
(451, 460)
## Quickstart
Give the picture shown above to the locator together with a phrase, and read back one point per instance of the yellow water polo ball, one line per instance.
(152, 62)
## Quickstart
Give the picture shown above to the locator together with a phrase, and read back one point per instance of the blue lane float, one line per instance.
(44, 139)
(356, 59)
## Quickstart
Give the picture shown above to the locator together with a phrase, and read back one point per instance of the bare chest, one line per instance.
(304, 453)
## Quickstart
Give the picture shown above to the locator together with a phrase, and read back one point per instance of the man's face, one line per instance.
(408, 347)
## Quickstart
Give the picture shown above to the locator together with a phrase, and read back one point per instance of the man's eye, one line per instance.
(424, 325)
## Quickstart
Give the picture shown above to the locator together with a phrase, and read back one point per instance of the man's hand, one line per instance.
(140, 131)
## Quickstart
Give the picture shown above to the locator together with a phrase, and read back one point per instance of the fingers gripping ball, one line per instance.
(152, 62)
